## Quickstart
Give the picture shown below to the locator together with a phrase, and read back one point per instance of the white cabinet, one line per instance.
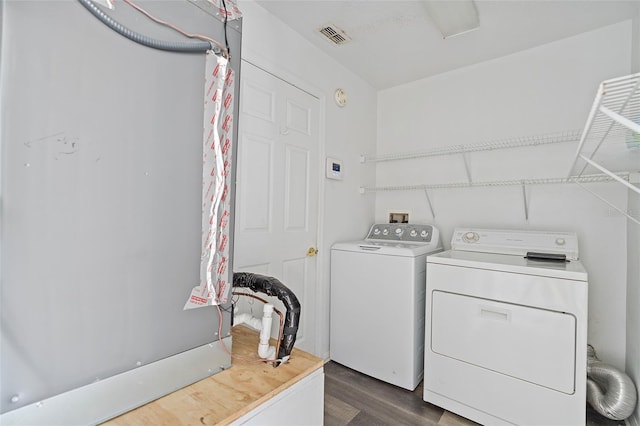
(301, 404)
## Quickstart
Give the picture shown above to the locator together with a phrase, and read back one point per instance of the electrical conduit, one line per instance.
(191, 47)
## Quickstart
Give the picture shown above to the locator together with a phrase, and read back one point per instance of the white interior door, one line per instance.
(277, 191)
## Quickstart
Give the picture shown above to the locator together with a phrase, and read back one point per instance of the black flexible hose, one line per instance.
(191, 47)
(273, 287)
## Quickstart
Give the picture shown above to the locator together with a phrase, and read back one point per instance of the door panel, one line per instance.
(277, 187)
(294, 273)
(256, 155)
(262, 105)
(298, 118)
(297, 189)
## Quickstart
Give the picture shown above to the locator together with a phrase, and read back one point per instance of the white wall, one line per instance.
(633, 296)
(348, 132)
(541, 90)
(633, 261)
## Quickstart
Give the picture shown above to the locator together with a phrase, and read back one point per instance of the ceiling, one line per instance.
(403, 33)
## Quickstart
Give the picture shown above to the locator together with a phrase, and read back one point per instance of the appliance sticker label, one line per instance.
(229, 7)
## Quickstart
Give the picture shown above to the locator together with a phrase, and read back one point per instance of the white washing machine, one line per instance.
(506, 332)
(377, 302)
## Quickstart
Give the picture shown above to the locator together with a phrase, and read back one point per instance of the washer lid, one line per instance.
(515, 242)
(387, 248)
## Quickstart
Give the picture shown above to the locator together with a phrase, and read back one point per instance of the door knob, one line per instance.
(312, 251)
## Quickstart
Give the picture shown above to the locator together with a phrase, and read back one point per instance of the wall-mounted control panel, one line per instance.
(334, 169)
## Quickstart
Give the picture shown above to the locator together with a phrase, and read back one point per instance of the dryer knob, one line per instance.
(385, 232)
(424, 234)
(398, 231)
(376, 231)
(413, 233)
(470, 237)
(560, 241)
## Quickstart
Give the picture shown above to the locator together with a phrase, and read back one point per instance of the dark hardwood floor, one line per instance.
(352, 398)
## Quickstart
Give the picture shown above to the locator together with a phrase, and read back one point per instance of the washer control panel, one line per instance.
(515, 242)
(405, 232)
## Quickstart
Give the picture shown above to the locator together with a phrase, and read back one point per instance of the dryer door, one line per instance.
(531, 344)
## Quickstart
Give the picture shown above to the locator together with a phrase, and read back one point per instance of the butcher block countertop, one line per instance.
(228, 395)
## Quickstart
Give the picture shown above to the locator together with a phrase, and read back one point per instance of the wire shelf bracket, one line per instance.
(426, 194)
(526, 204)
(466, 167)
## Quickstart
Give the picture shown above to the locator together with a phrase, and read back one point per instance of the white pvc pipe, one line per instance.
(247, 319)
(264, 350)
(263, 326)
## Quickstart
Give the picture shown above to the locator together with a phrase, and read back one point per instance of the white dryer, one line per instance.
(506, 331)
(378, 300)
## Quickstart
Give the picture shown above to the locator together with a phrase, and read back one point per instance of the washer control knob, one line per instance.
(376, 231)
(560, 241)
(398, 231)
(470, 237)
(424, 233)
(385, 232)
(413, 233)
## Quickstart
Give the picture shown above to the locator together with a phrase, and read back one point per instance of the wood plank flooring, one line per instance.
(353, 399)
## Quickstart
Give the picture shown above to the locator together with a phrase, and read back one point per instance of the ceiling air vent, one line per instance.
(334, 34)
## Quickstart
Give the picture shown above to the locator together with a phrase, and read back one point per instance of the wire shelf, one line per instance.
(523, 183)
(615, 114)
(517, 142)
(535, 181)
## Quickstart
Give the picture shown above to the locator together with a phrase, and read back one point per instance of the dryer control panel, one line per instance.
(404, 232)
(515, 242)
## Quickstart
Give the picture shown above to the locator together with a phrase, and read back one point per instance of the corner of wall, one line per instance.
(632, 366)
(633, 253)
(635, 43)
